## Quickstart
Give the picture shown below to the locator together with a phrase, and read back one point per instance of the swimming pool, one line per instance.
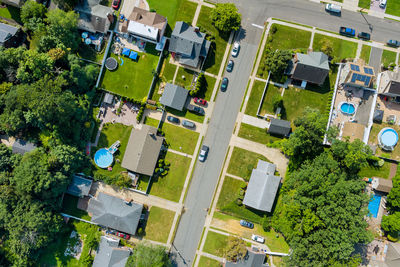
(388, 138)
(103, 158)
(374, 204)
(347, 108)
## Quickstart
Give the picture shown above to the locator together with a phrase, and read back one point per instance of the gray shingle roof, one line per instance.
(16, 3)
(250, 260)
(109, 255)
(262, 188)
(112, 212)
(279, 127)
(79, 186)
(21, 146)
(312, 67)
(142, 151)
(93, 16)
(6, 32)
(174, 96)
(392, 258)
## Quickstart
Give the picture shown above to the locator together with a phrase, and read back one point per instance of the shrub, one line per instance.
(277, 102)
(201, 86)
(266, 223)
(273, 29)
(239, 202)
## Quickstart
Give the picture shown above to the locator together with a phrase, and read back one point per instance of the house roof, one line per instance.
(6, 32)
(114, 213)
(109, 254)
(353, 130)
(142, 151)
(312, 67)
(21, 146)
(80, 186)
(357, 74)
(262, 189)
(174, 96)
(279, 127)
(381, 184)
(148, 18)
(189, 43)
(93, 16)
(392, 258)
(252, 259)
(390, 83)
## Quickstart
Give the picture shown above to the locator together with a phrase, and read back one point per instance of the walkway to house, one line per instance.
(393, 170)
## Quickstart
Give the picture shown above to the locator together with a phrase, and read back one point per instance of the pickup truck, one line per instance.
(347, 31)
(195, 109)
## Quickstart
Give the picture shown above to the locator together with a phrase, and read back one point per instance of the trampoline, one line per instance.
(103, 158)
(111, 63)
(388, 138)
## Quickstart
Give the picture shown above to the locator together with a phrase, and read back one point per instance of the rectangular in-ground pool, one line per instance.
(373, 205)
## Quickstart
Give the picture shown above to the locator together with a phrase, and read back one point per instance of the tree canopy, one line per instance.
(147, 255)
(226, 17)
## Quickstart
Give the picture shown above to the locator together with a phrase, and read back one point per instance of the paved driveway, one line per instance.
(375, 58)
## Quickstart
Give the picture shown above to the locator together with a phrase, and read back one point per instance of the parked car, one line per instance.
(258, 238)
(364, 35)
(224, 84)
(393, 43)
(235, 49)
(195, 109)
(111, 232)
(200, 101)
(246, 224)
(188, 124)
(173, 119)
(122, 235)
(229, 67)
(333, 8)
(115, 4)
(347, 31)
(203, 153)
(382, 3)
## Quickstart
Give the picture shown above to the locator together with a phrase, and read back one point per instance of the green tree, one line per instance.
(276, 62)
(34, 66)
(63, 27)
(147, 255)
(66, 4)
(393, 198)
(236, 249)
(327, 47)
(226, 17)
(32, 15)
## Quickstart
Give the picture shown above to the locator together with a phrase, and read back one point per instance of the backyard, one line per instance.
(255, 98)
(341, 48)
(365, 52)
(267, 106)
(170, 186)
(243, 161)
(159, 224)
(132, 78)
(215, 244)
(372, 171)
(388, 57)
(10, 12)
(373, 140)
(256, 134)
(184, 78)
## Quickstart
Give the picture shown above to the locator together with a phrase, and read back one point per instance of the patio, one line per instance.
(388, 107)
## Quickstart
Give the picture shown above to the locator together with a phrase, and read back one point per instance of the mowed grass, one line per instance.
(133, 78)
(210, 87)
(256, 134)
(268, 104)
(170, 186)
(229, 191)
(255, 98)
(159, 224)
(178, 138)
(215, 244)
(217, 49)
(372, 171)
(184, 78)
(289, 38)
(243, 162)
(10, 12)
(366, 3)
(207, 262)
(393, 7)
(388, 57)
(365, 53)
(341, 48)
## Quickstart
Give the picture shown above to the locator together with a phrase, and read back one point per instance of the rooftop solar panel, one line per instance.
(368, 70)
(367, 80)
(354, 78)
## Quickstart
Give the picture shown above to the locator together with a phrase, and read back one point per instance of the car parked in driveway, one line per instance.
(203, 153)
(173, 119)
(235, 49)
(229, 67)
(200, 101)
(115, 4)
(122, 235)
(258, 238)
(364, 35)
(195, 109)
(188, 124)
(246, 224)
(224, 84)
(393, 43)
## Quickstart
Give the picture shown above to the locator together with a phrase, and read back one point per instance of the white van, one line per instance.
(335, 8)
(382, 3)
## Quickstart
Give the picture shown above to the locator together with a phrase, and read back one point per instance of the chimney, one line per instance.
(196, 29)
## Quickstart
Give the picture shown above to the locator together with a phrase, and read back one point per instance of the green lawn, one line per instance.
(341, 48)
(388, 57)
(365, 52)
(255, 98)
(365, 3)
(10, 12)
(215, 244)
(218, 47)
(133, 78)
(177, 137)
(373, 140)
(210, 87)
(207, 262)
(69, 206)
(168, 71)
(159, 224)
(393, 7)
(243, 162)
(170, 186)
(372, 171)
(184, 78)
(109, 134)
(87, 52)
(256, 134)
(289, 38)
(268, 105)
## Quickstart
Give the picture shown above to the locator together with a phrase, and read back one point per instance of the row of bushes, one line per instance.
(201, 86)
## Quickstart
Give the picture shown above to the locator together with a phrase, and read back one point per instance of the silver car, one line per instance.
(203, 153)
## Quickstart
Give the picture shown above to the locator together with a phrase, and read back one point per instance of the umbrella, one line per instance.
(88, 41)
(84, 35)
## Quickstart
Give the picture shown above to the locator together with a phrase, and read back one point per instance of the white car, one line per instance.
(203, 153)
(258, 238)
(235, 49)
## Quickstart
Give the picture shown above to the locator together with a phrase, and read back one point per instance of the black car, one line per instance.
(224, 84)
(229, 67)
(195, 109)
(364, 35)
(246, 224)
(393, 43)
(173, 119)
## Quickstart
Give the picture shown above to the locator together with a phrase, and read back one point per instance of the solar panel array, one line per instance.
(368, 70)
(354, 67)
(362, 78)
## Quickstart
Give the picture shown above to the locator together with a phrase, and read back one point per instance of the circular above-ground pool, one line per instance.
(103, 158)
(388, 138)
(347, 108)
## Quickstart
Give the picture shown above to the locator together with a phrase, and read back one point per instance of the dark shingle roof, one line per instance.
(109, 254)
(279, 127)
(251, 259)
(312, 67)
(80, 186)
(21, 147)
(93, 16)
(174, 96)
(114, 213)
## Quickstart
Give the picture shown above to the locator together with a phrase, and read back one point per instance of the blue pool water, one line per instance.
(389, 137)
(103, 158)
(348, 108)
(373, 205)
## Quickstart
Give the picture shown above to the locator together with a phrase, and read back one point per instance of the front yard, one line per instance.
(393, 7)
(255, 98)
(256, 134)
(207, 262)
(388, 57)
(365, 53)
(287, 37)
(159, 224)
(215, 244)
(341, 48)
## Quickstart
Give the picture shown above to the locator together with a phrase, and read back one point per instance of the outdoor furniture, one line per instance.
(391, 119)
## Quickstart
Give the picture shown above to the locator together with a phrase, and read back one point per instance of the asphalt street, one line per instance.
(205, 176)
